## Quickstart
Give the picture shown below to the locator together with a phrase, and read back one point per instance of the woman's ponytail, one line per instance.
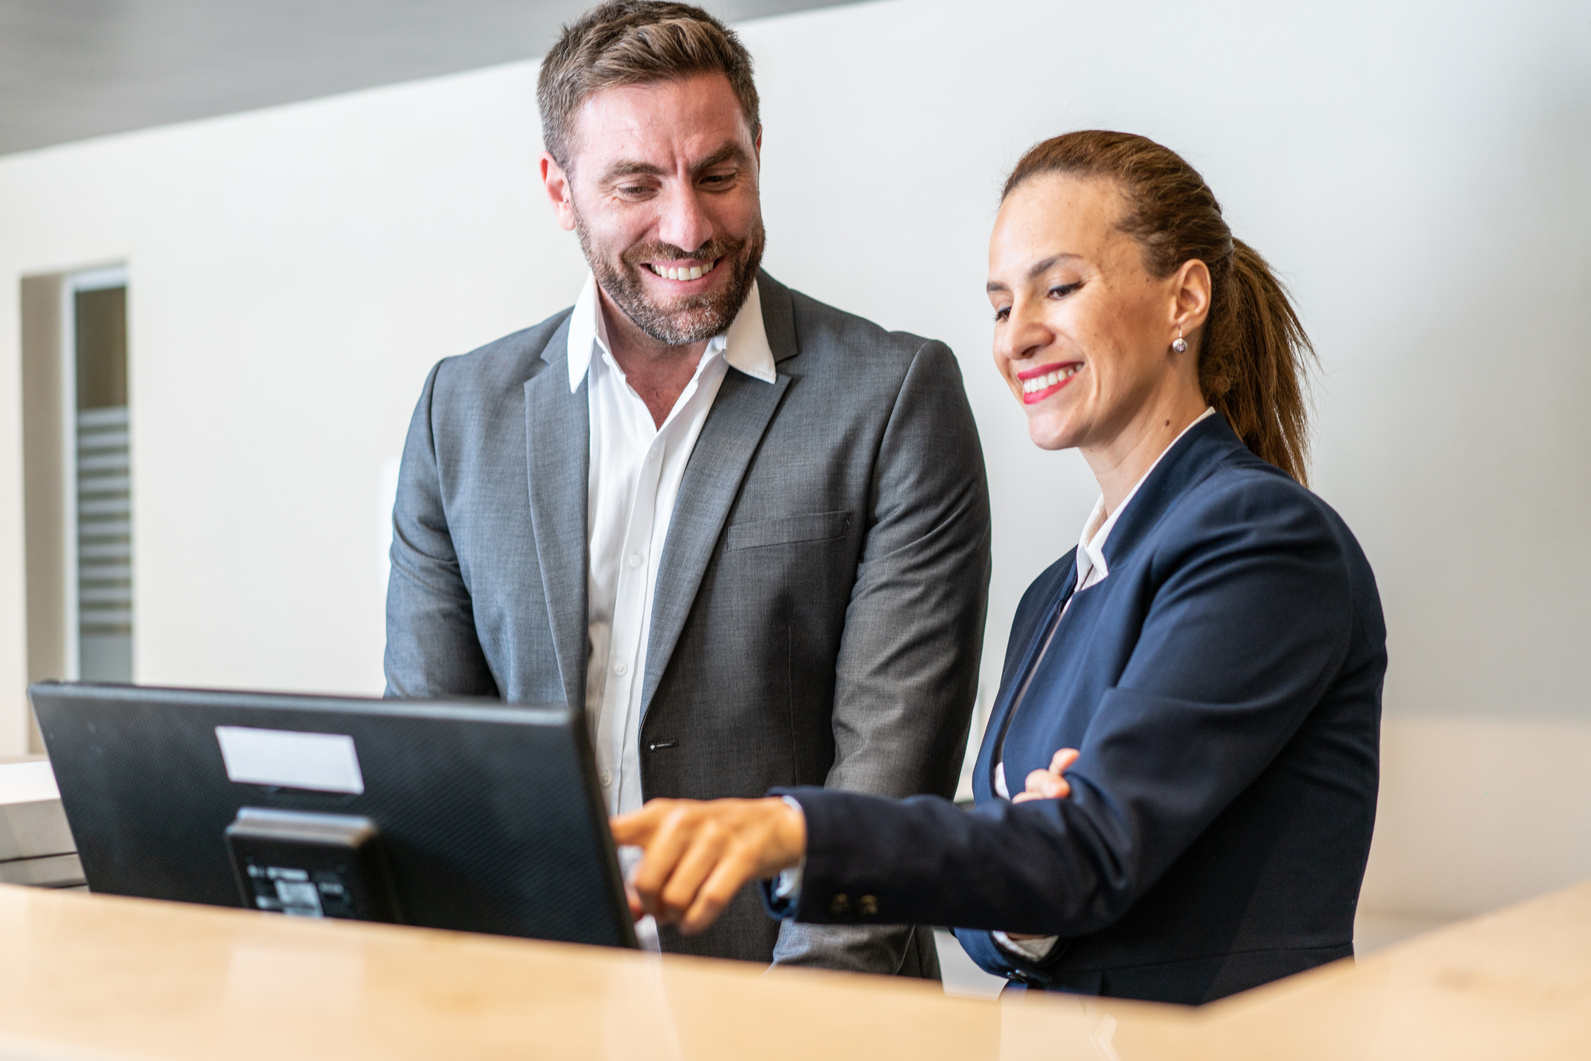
(1251, 367)
(1253, 353)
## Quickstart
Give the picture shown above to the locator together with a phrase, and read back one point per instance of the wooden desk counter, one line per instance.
(96, 977)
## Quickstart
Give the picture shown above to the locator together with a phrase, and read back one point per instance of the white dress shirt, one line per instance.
(1091, 571)
(636, 469)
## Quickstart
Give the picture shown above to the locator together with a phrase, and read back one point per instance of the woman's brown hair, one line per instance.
(1253, 356)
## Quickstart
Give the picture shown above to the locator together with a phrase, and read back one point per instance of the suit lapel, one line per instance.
(734, 428)
(1191, 459)
(558, 459)
(990, 755)
(735, 425)
(1188, 462)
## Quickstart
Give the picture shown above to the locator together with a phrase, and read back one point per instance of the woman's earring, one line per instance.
(1181, 344)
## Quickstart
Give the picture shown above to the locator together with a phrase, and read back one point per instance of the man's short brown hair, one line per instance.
(632, 42)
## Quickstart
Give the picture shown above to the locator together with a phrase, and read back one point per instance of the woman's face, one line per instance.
(1082, 332)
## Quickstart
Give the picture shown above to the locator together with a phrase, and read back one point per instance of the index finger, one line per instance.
(637, 828)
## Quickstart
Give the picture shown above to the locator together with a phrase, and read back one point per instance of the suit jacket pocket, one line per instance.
(812, 527)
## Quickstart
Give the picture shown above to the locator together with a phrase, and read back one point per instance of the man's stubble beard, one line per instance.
(688, 320)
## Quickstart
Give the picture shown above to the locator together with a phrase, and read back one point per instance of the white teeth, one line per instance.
(694, 272)
(1029, 386)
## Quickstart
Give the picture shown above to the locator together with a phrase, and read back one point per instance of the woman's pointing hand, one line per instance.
(698, 855)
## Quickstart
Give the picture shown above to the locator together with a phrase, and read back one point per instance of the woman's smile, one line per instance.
(1039, 383)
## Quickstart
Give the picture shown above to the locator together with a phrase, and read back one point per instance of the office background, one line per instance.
(1418, 171)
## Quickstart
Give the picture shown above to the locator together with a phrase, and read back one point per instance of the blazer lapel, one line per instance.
(739, 417)
(990, 754)
(1185, 465)
(1190, 460)
(558, 460)
(735, 425)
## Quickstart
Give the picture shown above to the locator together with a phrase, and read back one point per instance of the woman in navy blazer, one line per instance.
(1192, 697)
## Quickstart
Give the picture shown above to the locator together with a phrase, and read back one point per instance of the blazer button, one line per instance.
(840, 904)
(867, 906)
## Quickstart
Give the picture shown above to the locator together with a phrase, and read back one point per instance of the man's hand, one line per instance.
(700, 854)
(1049, 784)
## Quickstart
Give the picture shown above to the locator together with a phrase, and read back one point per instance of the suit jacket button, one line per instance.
(840, 904)
(867, 906)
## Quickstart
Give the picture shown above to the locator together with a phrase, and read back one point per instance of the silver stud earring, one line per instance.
(1181, 344)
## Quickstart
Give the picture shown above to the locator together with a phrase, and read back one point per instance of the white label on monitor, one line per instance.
(325, 762)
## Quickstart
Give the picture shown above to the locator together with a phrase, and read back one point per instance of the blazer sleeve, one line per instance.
(1251, 619)
(907, 667)
(432, 649)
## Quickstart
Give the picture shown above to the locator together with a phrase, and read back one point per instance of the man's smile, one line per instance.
(683, 271)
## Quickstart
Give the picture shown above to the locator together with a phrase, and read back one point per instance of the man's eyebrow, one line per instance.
(730, 152)
(632, 169)
(620, 170)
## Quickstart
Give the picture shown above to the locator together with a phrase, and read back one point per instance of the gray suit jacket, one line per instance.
(819, 609)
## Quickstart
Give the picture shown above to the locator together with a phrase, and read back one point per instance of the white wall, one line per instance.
(294, 273)
(1417, 170)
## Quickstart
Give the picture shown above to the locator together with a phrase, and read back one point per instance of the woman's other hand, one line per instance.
(700, 854)
(1049, 784)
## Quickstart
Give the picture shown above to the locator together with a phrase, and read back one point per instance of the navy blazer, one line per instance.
(1223, 685)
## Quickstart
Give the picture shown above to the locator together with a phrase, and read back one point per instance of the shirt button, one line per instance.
(607, 778)
(635, 559)
(621, 669)
(840, 905)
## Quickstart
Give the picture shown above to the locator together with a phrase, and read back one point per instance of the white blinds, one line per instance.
(104, 545)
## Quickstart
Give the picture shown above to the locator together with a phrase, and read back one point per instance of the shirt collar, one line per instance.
(1096, 531)
(744, 342)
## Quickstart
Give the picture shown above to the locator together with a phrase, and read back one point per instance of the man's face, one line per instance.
(662, 190)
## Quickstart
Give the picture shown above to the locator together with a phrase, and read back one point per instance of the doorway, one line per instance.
(77, 476)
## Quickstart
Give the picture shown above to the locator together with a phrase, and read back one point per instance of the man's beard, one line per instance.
(687, 320)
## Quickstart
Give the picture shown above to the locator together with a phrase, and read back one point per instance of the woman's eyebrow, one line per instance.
(1036, 269)
(1054, 259)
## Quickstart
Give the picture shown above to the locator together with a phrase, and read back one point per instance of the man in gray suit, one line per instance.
(747, 533)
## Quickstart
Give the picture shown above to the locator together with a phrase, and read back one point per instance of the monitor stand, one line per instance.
(311, 865)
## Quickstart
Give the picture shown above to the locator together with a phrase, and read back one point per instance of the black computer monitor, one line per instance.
(474, 816)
